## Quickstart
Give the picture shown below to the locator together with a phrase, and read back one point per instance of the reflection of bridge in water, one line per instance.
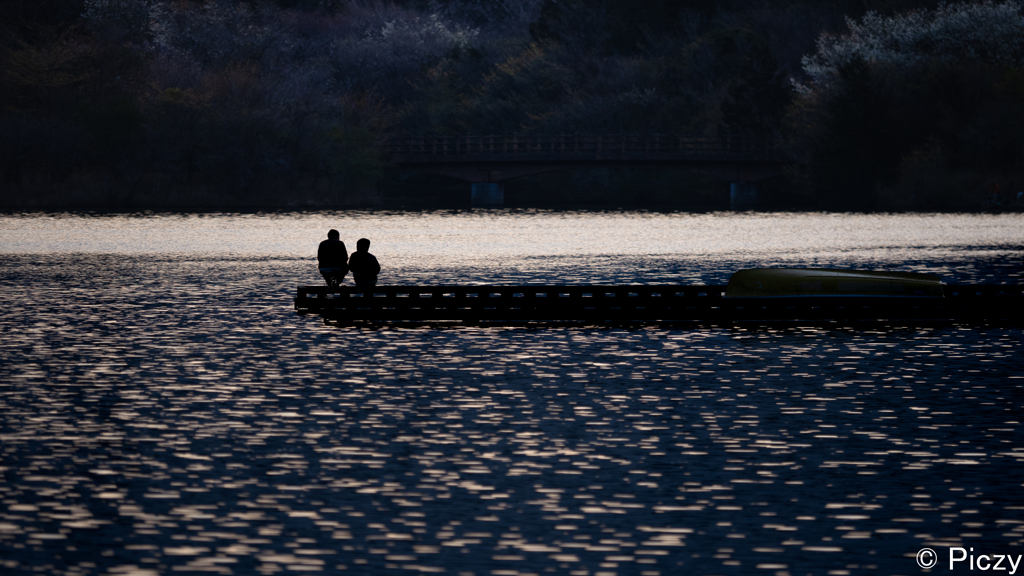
(486, 161)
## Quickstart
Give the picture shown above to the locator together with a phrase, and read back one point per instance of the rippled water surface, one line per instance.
(164, 411)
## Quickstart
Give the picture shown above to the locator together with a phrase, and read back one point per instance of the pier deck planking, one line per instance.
(646, 304)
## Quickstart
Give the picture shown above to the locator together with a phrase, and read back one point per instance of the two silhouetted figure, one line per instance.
(332, 258)
(334, 262)
(364, 266)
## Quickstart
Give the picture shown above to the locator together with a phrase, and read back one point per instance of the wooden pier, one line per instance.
(645, 305)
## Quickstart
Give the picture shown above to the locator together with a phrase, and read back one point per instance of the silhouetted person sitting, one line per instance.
(332, 258)
(363, 265)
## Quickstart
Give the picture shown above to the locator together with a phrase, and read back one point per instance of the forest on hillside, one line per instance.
(188, 104)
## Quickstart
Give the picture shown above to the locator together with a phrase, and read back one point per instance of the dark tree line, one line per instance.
(193, 103)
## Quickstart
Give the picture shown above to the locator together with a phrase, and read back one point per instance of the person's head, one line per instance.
(362, 245)
(333, 234)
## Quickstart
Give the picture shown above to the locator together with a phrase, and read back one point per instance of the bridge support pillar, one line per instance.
(743, 196)
(488, 194)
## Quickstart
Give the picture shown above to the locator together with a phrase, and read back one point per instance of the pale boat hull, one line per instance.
(814, 282)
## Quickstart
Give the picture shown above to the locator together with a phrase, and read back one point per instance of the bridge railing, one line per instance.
(568, 144)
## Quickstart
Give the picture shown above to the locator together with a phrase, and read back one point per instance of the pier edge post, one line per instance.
(487, 194)
(743, 196)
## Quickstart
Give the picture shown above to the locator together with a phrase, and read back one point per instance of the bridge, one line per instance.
(489, 160)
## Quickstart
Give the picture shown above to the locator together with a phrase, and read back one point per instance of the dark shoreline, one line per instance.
(227, 210)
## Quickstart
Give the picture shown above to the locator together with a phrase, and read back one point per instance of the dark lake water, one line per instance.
(163, 410)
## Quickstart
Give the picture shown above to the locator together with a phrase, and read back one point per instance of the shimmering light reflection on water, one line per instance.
(165, 411)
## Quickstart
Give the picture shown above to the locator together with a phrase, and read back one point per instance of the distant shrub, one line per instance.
(420, 34)
(989, 32)
(212, 33)
(388, 48)
(915, 110)
(128, 18)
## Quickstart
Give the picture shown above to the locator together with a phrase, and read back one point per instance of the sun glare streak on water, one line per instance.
(472, 234)
(163, 410)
